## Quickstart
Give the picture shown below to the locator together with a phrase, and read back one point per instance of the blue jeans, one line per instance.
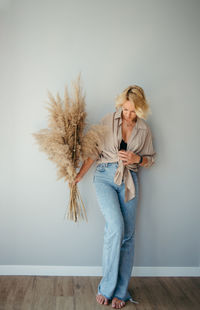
(119, 231)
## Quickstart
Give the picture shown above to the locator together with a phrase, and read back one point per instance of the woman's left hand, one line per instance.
(128, 157)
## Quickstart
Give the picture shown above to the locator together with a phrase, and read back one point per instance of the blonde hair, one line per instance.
(135, 94)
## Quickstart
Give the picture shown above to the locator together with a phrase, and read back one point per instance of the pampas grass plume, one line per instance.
(66, 143)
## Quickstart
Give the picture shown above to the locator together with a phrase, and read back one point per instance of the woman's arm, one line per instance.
(147, 153)
(84, 168)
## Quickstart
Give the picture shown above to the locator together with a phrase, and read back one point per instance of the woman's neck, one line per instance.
(129, 124)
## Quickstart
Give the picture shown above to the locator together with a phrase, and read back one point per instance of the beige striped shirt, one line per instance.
(139, 142)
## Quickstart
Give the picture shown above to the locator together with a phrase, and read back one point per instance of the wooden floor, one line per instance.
(78, 293)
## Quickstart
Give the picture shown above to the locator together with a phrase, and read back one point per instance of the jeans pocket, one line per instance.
(100, 168)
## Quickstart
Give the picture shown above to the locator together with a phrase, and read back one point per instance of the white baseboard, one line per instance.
(96, 271)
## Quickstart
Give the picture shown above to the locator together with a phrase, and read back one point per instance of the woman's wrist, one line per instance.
(140, 159)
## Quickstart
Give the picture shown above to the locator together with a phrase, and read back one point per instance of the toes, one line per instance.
(102, 300)
(106, 301)
(99, 299)
(113, 305)
(117, 303)
(122, 304)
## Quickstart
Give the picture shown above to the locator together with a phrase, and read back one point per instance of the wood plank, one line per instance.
(79, 293)
(43, 298)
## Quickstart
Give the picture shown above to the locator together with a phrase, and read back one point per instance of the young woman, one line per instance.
(127, 146)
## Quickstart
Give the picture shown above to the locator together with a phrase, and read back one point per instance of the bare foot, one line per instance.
(101, 299)
(118, 303)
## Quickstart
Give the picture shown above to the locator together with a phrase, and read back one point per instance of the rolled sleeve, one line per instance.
(95, 155)
(148, 150)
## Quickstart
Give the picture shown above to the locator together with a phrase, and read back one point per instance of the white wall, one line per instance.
(44, 45)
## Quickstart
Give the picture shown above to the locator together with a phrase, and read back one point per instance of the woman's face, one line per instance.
(128, 110)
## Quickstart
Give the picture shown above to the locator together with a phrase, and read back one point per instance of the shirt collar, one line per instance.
(139, 124)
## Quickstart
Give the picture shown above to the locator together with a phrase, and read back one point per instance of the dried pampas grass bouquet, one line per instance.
(67, 144)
